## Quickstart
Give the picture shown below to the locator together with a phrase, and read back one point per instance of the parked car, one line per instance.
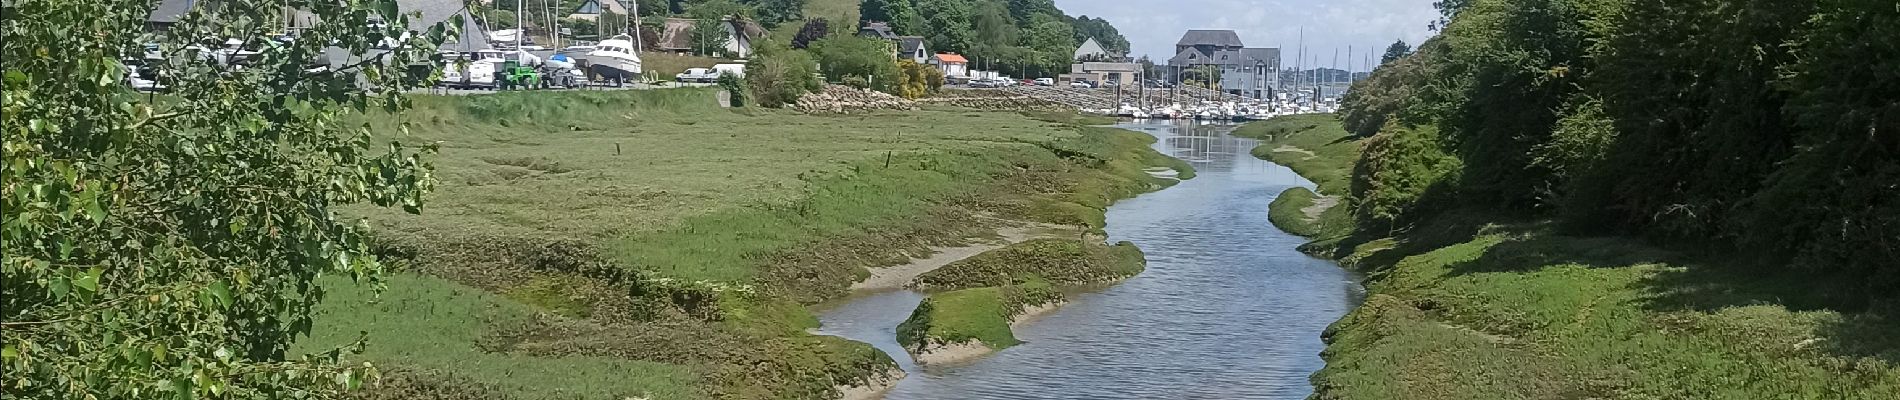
(1045, 82)
(1081, 85)
(983, 83)
(704, 75)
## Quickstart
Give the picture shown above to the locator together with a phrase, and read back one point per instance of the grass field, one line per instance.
(1059, 261)
(1467, 306)
(654, 233)
(1316, 147)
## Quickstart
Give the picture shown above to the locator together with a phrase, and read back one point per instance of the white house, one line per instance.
(951, 64)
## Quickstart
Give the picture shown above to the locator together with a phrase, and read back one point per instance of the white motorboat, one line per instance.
(613, 59)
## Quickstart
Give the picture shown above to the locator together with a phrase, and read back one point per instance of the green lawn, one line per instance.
(431, 326)
(1059, 261)
(1316, 147)
(655, 234)
(957, 317)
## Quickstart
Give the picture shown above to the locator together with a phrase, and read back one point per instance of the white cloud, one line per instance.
(1152, 26)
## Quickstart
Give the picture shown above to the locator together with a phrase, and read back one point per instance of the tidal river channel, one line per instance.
(1227, 309)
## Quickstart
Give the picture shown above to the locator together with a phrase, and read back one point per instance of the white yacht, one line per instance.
(612, 60)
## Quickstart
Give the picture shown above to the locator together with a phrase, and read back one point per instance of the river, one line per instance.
(1227, 308)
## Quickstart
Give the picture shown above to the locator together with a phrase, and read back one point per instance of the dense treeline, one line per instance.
(1765, 128)
(1017, 37)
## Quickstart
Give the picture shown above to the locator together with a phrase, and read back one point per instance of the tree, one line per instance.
(709, 37)
(1025, 11)
(816, 28)
(849, 58)
(778, 76)
(167, 247)
(1052, 40)
(1103, 32)
(1395, 51)
(947, 24)
(900, 14)
(771, 13)
(994, 26)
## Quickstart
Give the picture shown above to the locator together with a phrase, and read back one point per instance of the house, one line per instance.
(1098, 72)
(951, 64)
(878, 30)
(592, 9)
(677, 36)
(1250, 72)
(912, 48)
(1091, 50)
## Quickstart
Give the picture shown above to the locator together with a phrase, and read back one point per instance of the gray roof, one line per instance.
(1221, 37)
(878, 29)
(170, 11)
(1188, 56)
(909, 44)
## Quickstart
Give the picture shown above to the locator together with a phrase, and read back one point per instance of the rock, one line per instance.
(837, 99)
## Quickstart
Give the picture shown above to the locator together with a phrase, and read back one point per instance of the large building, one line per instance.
(1250, 72)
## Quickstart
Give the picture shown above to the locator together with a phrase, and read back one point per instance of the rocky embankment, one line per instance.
(839, 99)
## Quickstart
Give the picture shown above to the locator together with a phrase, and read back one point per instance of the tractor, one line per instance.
(515, 76)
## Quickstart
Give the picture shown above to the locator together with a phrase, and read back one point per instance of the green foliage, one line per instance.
(844, 57)
(735, 88)
(709, 37)
(813, 30)
(1524, 313)
(913, 79)
(1286, 212)
(1837, 193)
(1057, 261)
(900, 14)
(947, 24)
(778, 76)
(957, 317)
(499, 19)
(168, 247)
(1391, 92)
(771, 13)
(1103, 32)
(1312, 145)
(1396, 51)
(1572, 108)
(1402, 177)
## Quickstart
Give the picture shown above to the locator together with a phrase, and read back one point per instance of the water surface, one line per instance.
(1227, 309)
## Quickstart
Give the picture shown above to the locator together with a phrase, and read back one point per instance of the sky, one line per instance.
(1152, 26)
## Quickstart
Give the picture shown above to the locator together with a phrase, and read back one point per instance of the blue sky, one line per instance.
(1152, 26)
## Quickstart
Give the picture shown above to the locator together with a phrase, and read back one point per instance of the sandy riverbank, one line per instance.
(898, 276)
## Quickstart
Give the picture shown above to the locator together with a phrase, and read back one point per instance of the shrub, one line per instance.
(1401, 171)
(858, 62)
(778, 76)
(814, 29)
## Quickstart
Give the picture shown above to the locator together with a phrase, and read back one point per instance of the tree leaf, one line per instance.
(220, 292)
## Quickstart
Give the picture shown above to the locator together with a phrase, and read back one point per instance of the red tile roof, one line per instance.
(951, 58)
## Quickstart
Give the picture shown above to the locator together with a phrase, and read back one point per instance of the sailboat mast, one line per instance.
(520, 7)
(638, 44)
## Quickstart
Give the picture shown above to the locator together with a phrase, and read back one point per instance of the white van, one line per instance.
(737, 70)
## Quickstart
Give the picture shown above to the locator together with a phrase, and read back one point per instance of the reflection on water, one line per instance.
(1227, 309)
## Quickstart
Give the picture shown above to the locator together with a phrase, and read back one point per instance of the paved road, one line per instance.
(630, 86)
